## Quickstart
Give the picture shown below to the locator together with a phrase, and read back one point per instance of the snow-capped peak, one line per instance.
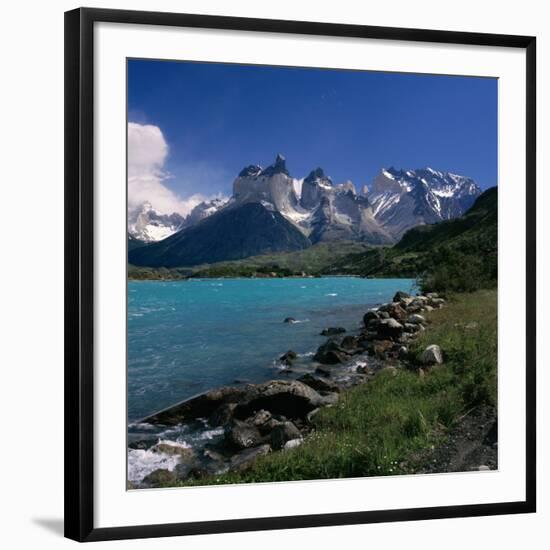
(404, 198)
(147, 224)
(204, 210)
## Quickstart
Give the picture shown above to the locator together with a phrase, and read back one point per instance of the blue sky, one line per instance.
(217, 118)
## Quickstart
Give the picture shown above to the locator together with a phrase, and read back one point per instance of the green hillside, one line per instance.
(315, 260)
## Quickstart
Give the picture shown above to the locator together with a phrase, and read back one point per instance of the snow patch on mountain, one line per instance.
(402, 199)
(148, 225)
(204, 210)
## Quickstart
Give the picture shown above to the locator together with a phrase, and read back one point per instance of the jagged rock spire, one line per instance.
(250, 171)
(316, 174)
(278, 167)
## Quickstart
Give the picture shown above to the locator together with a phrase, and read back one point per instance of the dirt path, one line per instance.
(471, 445)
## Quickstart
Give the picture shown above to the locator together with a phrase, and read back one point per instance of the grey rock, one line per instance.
(390, 328)
(201, 406)
(283, 433)
(259, 419)
(411, 327)
(266, 428)
(432, 355)
(222, 415)
(323, 371)
(160, 477)
(331, 357)
(292, 444)
(400, 295)
(349, 342)
(290, 398)
(370, 316)
(245, 459)
(288, 357)
(416, 319)
(319, 384)
(242, 435)
(330, 399)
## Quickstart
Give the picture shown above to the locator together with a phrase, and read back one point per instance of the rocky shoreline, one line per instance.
(276, 416)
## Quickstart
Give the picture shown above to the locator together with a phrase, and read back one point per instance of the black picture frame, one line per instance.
(79, 269)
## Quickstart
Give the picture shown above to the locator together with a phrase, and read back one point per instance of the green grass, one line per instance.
(377, 427)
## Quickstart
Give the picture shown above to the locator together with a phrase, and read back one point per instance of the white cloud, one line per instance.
(147, 152)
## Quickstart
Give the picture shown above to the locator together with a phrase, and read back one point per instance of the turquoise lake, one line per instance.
(186, 337)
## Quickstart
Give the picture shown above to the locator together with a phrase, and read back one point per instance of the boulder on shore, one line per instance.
(323, 371)
(292, 444)
(331, 353)
(411, 327)
(288, 357)
(242, 435)
(432, 355)
(222, 415)
(416, 319)
(400, 295)
(319, 384)
(160, 477)
(290, 398)
(389, 329)
(282, 433)
(201, 406)
(244, 460)
(349, 343)
(260, 418)
(381, 347)
(397, 312)
(330, 357)
(370, 316)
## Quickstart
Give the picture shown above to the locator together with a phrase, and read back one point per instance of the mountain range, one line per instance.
(454, 255)
(271, 211)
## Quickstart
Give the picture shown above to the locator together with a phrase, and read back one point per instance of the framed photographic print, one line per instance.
(300, 274)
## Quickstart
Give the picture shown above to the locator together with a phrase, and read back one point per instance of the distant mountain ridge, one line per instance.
(232, 234)
(146, 224)
(313, 207)
(402, 199)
